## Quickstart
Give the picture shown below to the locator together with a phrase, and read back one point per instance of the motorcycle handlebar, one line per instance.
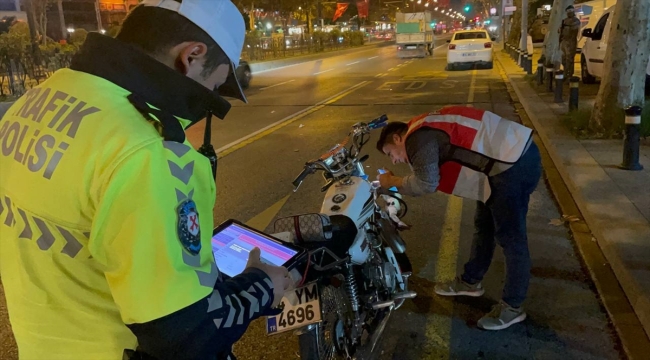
(298, 180)
(378, 122)
(309, 167)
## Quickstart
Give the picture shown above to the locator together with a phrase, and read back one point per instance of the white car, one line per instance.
(592, 59)
(470, 47)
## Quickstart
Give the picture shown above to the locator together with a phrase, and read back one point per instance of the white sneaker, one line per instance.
(501, 317)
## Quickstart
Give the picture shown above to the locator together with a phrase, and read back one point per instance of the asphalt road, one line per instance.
(298, 112)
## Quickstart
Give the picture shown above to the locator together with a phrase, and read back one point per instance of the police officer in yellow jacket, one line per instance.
(106, 209)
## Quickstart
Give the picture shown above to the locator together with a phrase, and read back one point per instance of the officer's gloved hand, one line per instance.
(279, 275)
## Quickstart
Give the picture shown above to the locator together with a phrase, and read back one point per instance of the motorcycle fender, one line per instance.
(390, 235)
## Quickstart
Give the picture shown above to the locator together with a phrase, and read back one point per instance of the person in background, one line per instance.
(106, 211)
(480, 156)
(569, 41)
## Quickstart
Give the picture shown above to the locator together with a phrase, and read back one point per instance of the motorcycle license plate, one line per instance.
(301, 308)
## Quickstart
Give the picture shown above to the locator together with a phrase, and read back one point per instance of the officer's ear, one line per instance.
(190, 57)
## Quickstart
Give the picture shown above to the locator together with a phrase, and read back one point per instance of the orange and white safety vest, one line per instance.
(479, 140)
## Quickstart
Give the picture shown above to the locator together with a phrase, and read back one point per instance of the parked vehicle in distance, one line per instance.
(470, 47)
(414, 34)
(244, 74)
(592, 59)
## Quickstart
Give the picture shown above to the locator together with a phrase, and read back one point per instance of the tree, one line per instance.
(78, 37)
(552, 50)
(515, 29)
(14, 53)
(626, 60)
(14, 43)
(483, 6)
(39, 7)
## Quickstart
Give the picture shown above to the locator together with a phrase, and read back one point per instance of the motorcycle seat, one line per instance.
(314, 230)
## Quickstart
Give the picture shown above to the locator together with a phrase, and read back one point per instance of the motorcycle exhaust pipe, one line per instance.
(405, 295)
(382, 304)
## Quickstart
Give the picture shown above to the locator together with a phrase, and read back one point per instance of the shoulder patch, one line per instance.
(189, 231)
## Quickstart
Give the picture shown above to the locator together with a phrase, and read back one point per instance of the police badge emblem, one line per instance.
(189, 231)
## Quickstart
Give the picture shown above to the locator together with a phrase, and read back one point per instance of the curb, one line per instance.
(266, 65)
(625, 321)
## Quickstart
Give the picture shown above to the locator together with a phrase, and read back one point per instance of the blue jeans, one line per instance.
(502, 220)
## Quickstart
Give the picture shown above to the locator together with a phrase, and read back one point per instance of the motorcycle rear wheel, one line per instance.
(323, 341)
(328, 341)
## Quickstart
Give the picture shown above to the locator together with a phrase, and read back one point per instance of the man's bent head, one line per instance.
(392, 142)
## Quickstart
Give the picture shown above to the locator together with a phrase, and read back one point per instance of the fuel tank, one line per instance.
(354, 200)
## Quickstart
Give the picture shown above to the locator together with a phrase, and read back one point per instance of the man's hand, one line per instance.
(279, 275)
(388, 179)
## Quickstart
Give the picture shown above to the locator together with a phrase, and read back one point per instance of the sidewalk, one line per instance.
(614, 203)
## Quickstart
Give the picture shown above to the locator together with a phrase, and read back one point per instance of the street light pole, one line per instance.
(524, 27)
(99, 16)
(501, 21)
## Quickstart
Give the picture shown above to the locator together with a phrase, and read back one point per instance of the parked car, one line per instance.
(469, 47)
(244, 74)
(592, 59)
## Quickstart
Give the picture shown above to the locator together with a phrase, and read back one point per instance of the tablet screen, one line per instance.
(231, 246)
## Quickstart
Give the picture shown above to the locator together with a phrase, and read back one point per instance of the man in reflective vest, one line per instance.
(106, 210)
(477, 155)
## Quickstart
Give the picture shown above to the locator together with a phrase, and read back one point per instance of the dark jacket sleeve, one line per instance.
(208, 328)
(423, 151)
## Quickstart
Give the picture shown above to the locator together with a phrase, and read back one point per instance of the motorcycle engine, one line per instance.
(381, 273)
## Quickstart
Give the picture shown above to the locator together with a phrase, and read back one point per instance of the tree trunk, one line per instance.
(515, 29)
(626, 60)
(44, 27)
(552, 51)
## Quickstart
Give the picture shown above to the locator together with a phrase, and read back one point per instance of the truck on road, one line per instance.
(414, 34)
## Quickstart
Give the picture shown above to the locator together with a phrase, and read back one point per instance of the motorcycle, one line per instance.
(357, 270)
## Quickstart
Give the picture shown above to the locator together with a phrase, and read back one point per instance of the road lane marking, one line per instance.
(272, 86)
(439, 47)
(374, 57)
(352, 63)
(392, 69)
(324, 71)
(381, 75)
(472, 89)
(438, 326)
(250, 138)
(263, 219)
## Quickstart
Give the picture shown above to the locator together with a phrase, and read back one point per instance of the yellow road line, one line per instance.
(448, 253)
(230, 148)
(472, 88)
(262, 220)
(438, 326)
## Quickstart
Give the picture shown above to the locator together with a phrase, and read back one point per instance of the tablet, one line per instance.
(232, 241)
